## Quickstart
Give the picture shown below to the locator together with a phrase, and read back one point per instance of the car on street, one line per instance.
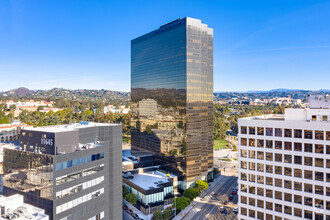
(231, 197)
(235, 210)
(130, 211)
(222, 209)
(236, 188)
(225, 202)
(234, 192)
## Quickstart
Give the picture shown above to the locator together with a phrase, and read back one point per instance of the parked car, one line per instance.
(236, 210)
(231, 197)
(236, 188)
(222, 209)
(135, 216)
(225, 202)
(130, 211)
(234, 192)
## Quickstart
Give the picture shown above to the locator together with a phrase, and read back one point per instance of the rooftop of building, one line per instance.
(67, 127)
(149, 179)
(9, 146)
(14, 124)
(190, 21)
(15, 208)
(276, 117)
(318, 111)
(319, 101)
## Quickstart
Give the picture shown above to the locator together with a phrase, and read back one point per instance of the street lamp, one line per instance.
(174, 206)
(149, 211)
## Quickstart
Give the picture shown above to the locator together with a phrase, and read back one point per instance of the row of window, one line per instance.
(308, 188)
(286, 158)
(8, 138)
(289, 133)
(79, 174)
(79, 187)
(308, 201)
(79, 161)
(287, 210)
(78, 201)
(151, 198)
(7, 132)
(308, 174)
(85, 210)
(280, 145)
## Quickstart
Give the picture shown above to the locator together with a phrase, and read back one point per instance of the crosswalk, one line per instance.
(227, 215)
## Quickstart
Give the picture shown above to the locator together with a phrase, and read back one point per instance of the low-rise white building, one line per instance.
(112, 109)
(284, 163)
(13, 207)
(10, 132)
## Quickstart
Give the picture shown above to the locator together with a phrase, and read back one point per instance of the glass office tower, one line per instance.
(172, 97)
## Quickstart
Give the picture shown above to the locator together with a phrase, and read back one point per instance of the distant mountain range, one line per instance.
(109, 95)
(19, 92)
(56, 93)
(293, 93)
(275, 90)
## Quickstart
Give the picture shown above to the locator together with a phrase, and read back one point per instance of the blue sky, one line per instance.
(258, 45)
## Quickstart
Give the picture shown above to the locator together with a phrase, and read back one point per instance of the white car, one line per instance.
(235, 209)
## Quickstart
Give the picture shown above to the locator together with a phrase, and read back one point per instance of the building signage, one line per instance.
(46, 141)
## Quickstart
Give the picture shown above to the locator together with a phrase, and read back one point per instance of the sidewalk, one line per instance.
(136, 211)
(197, 204)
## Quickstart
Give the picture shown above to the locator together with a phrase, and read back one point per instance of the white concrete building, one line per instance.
(10, 132)
(13, 207)
(284, 163)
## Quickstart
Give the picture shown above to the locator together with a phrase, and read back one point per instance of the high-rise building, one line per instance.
(70, 171)
(284, 163)
(172, 97)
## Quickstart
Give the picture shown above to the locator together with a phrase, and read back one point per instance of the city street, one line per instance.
(127, 216)
(208, 207)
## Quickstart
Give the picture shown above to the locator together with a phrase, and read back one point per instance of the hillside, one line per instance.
(295, 94)
(117, 96)
(60, 93)
(19, 92)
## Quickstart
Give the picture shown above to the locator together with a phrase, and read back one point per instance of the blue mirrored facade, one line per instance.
(172, 96)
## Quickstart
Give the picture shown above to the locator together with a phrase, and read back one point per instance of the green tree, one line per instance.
(220, 127)
(201, 185)
(148, 129)
(125, 191)
(168, 214)
(138, 125)
(157, 215)
(181, 202)
(40, 107)
(12, 107)
(191, 193)
(3, 118)
(131, 198)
